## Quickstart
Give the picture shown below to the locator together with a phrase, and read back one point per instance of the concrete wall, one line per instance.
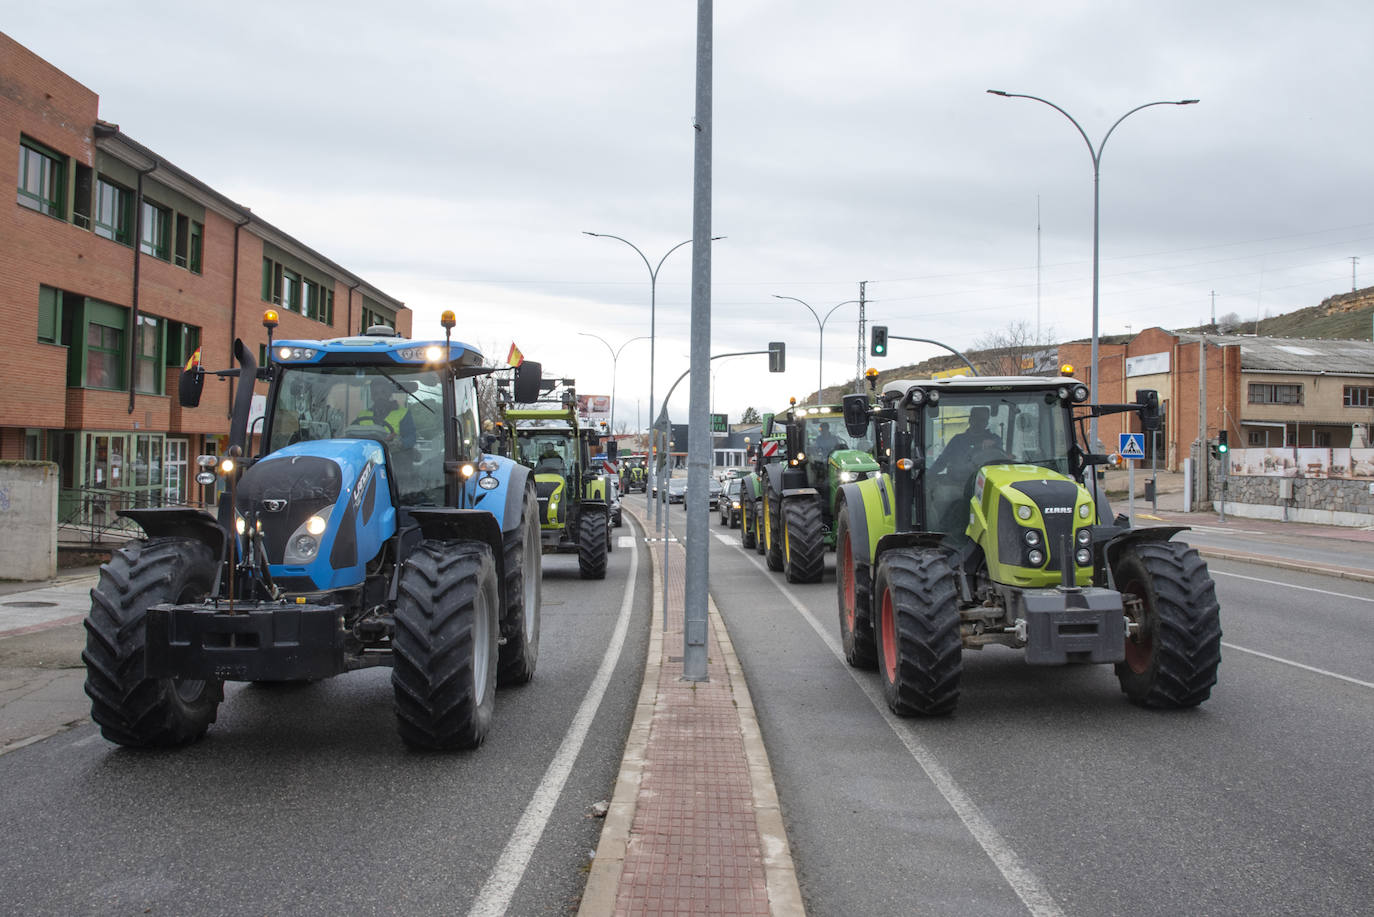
(1324, 501)
(28, 518)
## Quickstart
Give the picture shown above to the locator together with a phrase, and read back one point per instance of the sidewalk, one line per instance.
(694, 825)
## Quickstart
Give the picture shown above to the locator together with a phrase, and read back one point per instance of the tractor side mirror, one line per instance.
(528, 376)
(612, 450)
(856, 414)
(1149, 412)
(796, 441)
(189, 387)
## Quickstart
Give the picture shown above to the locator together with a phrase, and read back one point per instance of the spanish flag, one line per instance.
(194, 361)
(515, 357)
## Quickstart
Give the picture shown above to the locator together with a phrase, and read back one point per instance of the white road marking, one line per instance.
(1023, 882)
(497, 891)
(625, 541)
(1270, 582)
(1298, 665)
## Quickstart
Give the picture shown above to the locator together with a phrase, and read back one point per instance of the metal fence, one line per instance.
(90, 515)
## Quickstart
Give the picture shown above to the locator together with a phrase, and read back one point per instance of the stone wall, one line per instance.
(1325, 501)
(28, 518)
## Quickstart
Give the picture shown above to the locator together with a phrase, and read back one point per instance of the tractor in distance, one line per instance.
(573, 493)
(770, 448)
(983, 530)
(633, 478)
(798, 490)
(367, 530)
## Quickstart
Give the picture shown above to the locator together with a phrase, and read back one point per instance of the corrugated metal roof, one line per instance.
(1295, 355)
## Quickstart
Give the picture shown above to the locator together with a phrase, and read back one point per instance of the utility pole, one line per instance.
(862, 361)
(1214, 308)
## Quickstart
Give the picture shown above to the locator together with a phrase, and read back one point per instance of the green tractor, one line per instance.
(770, 449)
(982, 529)
(574, 498)
(810, 456)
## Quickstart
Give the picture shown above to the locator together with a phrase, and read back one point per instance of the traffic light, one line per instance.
(878, 343)
(1222, 446)
(777, 356)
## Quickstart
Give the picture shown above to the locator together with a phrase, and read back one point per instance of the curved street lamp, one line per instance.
(1096, 154)
(820, 324)
(653, 286)
(615, 359)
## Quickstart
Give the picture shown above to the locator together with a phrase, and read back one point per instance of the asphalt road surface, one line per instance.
(302, 800)
(1047, 792)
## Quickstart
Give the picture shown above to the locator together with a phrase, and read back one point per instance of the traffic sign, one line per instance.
(1132, 445)
(612, 467)
(768, 448)
(720, 424)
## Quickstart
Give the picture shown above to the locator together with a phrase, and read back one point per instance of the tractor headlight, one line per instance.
(1023, 512)
(302, 549)
(1083, 556)
(315, 525)
(1083, 537)
(1080, 393)
(1036, 558)
(240, 524)
(1033, 538)
(848, 477)
(285, 354)
(304, 544)
(1083, 511)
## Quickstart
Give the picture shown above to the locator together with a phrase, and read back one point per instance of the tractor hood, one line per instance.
(853, 461)
(1024, 516)
(324, 509)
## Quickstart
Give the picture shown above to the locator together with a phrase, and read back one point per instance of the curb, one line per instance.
(1265, 560)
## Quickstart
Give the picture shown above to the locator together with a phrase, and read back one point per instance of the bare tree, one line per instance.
(750, 415)
(1015, 351)
(1228, 322)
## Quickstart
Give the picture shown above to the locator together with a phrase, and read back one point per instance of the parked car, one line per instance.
(729, 503)
(613, 498)
(677, 490)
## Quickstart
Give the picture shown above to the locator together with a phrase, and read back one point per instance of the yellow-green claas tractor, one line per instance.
(983, 529)
(574, 510)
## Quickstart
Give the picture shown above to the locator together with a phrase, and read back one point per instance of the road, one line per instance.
(1047, 793)
(303, 800)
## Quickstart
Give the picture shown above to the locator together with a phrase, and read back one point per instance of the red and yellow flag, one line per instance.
(515, 357)
(194, 361)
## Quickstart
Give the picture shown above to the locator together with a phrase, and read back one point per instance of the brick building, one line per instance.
(1296, 392)
(116, 266)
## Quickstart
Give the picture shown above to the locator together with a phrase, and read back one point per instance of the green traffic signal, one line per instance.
(1222, 445)
(878, 342)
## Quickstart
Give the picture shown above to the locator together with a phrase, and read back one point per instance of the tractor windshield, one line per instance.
(398, 406)
(824, 435)
(971, 429)
(546, 451)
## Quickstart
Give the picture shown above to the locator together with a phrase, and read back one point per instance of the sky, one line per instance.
(453, 153)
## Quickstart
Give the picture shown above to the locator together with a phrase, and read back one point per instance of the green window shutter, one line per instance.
(49, 314)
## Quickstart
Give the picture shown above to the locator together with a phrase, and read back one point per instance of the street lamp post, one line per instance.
(615, 359)
(653, 296)
(820, 324)
(1096, 154)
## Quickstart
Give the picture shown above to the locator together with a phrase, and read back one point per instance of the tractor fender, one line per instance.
(1128, 537)
(870, 515)
(772, 478)
(512, 511)
(179, 522)
(908, 540)
(801, 492)
(445, 524)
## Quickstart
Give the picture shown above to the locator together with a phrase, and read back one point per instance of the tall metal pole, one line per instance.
(699, 411)
(820, 325)
(1096, 154)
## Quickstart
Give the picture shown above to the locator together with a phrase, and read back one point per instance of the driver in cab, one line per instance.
(389, 412)
(964, 448)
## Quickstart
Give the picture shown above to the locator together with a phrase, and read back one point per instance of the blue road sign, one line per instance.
(1132, 445)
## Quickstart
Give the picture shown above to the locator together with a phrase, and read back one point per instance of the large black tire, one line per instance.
(592, 542)
(760, 542)
(920, 652)
(803, 540)
(854, 595)
(772, 532)
(444, 649)
(748, 535)
(133, 710)
(1172, 659)
(519, 652)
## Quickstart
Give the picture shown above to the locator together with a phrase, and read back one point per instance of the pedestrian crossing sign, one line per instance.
(1132, 445)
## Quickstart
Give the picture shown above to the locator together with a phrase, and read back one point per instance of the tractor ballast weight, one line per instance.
(984, 529)
(365, 528)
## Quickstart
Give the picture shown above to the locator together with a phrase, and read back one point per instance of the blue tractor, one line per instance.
(368, 529)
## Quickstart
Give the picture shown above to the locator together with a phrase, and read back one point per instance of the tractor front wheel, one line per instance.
(748, 537)
(920, 652)
(854, 594)
(444, 649)
(133, 710)
(803, 540)
(1173, 646)
(519, 652)
(772, 532)
(593, 537)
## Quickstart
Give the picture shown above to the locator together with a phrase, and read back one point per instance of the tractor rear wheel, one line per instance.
(519, 652)
(131, 709)
(803, 540)
(760, 540)
(445, 657)
(593, 537)
(920, 652)
(1173, 655)
(854, 593)
(772, 532)
(748, 536)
